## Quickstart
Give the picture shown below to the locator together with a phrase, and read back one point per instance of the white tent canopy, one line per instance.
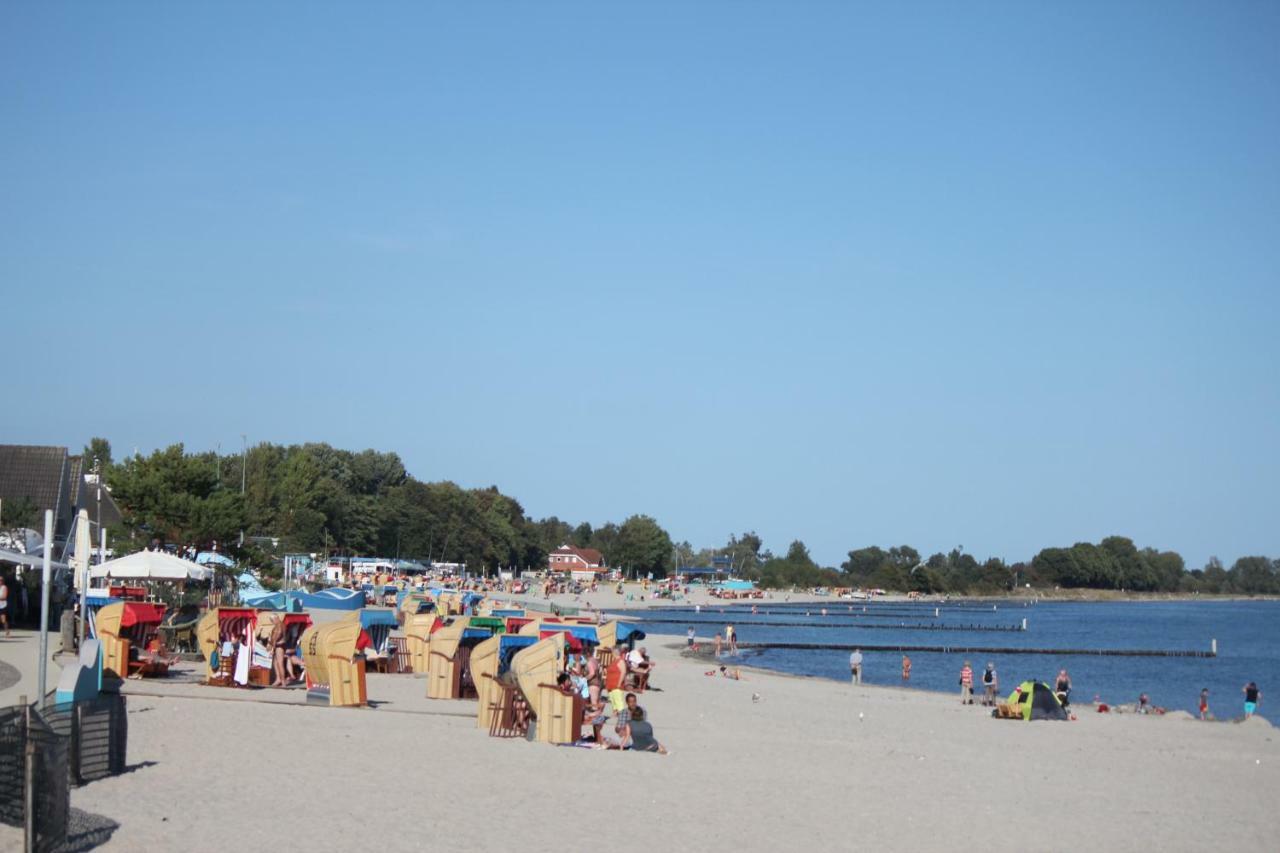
(33, 561)
(152, 565)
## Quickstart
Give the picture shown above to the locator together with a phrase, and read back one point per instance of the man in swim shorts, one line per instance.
(1252, 696)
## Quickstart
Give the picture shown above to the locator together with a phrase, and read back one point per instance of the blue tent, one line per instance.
(334, 598)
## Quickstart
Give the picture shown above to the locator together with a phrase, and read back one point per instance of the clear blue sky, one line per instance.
(1004, 276)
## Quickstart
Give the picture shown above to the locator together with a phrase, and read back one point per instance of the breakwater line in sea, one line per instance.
(871, 626)
(872, 611)
(976, 650)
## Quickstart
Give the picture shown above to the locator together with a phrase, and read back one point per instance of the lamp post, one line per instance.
(244, 464)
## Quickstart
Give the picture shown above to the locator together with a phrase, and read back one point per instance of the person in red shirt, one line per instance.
(615, 678)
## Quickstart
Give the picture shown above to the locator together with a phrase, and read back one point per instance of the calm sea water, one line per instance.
(1248, 635)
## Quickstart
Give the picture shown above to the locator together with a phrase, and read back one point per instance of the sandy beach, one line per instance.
(769, 762)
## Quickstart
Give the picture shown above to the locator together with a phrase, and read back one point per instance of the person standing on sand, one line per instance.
(4, 602)
(906, 668)
(1063, 688)
(990, 683)
(1252, 696)
(616, 677)
(719, 646)
(1204, 704)
(966, 684)
(689, 637)
(855, 666)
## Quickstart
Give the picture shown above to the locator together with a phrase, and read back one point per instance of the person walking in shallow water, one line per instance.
(906, 668)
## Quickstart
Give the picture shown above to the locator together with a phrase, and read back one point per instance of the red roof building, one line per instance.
(566, 558)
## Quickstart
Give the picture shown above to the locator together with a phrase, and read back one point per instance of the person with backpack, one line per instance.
(990, 682)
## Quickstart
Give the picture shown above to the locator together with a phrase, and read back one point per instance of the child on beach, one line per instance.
(966, 684)
(1204, 704)
(906, 668)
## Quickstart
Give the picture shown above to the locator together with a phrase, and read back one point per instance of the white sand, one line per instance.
(799, 769)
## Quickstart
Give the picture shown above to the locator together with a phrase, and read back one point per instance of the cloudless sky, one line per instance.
(995, 275)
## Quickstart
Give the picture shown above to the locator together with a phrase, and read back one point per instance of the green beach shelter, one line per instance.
(1037, 702)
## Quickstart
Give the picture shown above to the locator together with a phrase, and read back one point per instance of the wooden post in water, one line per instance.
(1024, 623)
(1213, 646)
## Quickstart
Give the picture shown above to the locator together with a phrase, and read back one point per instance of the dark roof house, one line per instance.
(52, 479)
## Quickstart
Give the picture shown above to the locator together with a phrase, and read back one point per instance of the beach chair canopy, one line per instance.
(503, 613)
(581, 633)
(497, 626)
(629, 633)
(375, 618)
(141, 613)
(1037, 702)
(470, 633)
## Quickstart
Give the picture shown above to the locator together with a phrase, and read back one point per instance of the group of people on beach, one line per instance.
(604, 689)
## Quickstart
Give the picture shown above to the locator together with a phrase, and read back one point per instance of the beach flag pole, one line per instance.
(43, 667)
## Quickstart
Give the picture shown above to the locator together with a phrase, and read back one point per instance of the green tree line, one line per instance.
(315, 498)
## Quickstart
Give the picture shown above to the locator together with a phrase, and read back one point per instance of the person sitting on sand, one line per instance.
(641, 736)
(620, 725)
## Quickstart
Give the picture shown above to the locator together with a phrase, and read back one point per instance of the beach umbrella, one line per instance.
(152, 565)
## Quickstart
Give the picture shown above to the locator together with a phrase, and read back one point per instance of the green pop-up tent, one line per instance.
(1037, 702)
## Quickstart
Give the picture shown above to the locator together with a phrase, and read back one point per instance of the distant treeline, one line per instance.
(314, 498)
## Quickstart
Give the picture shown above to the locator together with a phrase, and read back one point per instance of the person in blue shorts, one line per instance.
(1252, 696)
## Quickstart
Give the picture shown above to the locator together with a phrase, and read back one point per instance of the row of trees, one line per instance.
(316, 498)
